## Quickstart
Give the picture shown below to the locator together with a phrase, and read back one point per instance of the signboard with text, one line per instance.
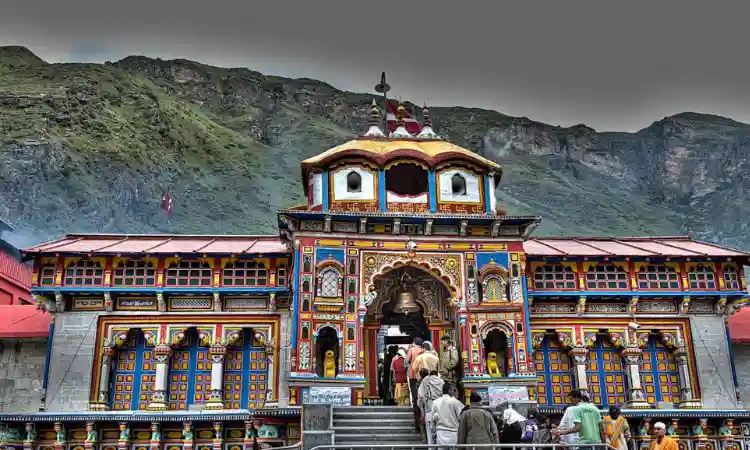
(339, 396)
(501, 394)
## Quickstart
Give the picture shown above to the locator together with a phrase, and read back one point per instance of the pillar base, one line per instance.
(212, 404)
(691, 404)
(637, 404)
(98, 406)
(157, 406)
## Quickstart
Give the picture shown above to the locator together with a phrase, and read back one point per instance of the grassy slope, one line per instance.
(118, 137)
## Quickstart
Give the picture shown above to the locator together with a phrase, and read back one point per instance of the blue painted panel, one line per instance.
(499, 257)
(295, 297)
(133, 375)
(432, 184)
(381, 191)
(605, 373)
(245, 375)
(326, 193)
(321, 254)
(641, 294)
(660, 376)
(189, 374)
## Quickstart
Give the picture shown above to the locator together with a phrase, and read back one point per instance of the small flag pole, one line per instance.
(383, 88)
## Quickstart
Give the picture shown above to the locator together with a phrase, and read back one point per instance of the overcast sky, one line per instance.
(611, 65)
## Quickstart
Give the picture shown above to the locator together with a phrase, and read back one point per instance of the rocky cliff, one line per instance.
(91, 148)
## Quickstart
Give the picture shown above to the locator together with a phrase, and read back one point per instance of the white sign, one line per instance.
(339, 396)
(501, 394)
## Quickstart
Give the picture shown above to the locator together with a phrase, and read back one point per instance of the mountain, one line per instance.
(92, 147)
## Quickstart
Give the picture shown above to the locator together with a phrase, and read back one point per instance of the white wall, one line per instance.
(445, 186)
(340, 184)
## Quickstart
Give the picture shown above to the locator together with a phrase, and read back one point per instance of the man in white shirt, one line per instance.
(566, 423)
(446, 411)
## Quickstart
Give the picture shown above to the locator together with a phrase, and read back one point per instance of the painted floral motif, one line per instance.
(350, 356)
(304, 356)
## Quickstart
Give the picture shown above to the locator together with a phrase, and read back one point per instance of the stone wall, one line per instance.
(21, 374)
(72, 360)
(712, 360)
(742, 366)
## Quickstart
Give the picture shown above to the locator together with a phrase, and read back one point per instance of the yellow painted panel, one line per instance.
(333, 242)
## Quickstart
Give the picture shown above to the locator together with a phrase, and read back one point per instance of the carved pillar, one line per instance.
(216, 396)
(60, 436)
(29, 441)
(631, 355)
(685, 305)
(218, 307)
(102, 401)
(124, 441)
(187, 436)
(108, 306)
(686, 390)
(162, 352)
(59, 302)
(91, 436)
(161, 304)
(250, 434)
(272, 302)
(578, 356)
(218, 436)
(581, 307)
(155, 443)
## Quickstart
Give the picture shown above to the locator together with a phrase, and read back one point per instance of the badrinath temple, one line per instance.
(182, 342)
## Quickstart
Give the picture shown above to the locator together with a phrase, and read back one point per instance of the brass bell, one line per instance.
(405, 303)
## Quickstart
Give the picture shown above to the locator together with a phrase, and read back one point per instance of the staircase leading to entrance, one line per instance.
(375, 425)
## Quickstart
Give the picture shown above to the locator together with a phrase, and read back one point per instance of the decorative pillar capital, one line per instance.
(43, 303)
(721, 306)
(59, 302)
(634, 304)
(581, 307)
(218, 307)
(108, 306)
(161, 304)
(685, 305)
(272, 302)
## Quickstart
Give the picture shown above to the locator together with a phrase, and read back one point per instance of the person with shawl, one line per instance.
(430, 389)
(617, 429)
(662, 441)
(401, 382)
(476, 425)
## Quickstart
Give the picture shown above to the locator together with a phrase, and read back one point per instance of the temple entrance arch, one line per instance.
(406, 302)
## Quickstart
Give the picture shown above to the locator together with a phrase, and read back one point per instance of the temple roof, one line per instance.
(661, 246)
(23, 321)
(679, 246)
(383, 150)
(739, 326)
(160, 244)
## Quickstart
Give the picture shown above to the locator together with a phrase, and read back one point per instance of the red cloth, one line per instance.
(399, 369)
(166, 203)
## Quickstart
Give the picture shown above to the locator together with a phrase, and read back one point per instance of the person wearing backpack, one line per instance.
(530, 427)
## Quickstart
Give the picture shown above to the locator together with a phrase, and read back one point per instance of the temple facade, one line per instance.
(210, 341)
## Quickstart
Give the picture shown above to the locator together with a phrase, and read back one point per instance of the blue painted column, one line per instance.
(432, 184)
(488, 188)
(294, 310)
(382, 197)
(326, 192)
(47, 358)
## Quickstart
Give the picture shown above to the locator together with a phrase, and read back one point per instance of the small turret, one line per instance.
(400, 131)
(374, 130)
(427, 132)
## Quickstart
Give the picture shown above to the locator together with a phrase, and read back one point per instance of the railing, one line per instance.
(296, 446)
(418, 446)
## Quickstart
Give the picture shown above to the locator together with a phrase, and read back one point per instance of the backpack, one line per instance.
(530, 427)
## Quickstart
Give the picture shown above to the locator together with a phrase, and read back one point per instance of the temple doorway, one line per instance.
(411, 303)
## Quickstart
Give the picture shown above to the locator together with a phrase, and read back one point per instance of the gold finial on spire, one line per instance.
(374, 130)
(427, 132)
(400, 114)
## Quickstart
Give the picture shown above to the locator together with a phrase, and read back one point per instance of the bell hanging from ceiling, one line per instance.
(405, 302)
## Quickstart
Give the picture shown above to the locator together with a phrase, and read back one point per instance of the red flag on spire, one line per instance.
(166, 203)
(412, 126)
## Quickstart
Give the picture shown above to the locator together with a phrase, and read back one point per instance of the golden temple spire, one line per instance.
(400, 131)
(374, 130)
(427, 132)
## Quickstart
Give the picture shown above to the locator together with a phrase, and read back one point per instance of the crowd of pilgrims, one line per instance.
(419, 378)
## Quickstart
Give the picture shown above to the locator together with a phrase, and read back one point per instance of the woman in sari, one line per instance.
(617, 428)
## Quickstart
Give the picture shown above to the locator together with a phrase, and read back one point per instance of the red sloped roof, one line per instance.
(23, 321)
(739, 326)
(673, 246)
(167, 244)
(14, 271)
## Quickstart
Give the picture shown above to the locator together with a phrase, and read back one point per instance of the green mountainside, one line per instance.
(92, 147)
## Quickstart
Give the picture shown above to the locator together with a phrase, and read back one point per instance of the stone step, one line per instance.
(411, 445)
(371, 437)
(373, 416)
(373, 408)
(377, 428)
(383, 422)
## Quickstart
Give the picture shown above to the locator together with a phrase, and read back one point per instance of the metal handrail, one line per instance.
(296, 446)
(418, 446)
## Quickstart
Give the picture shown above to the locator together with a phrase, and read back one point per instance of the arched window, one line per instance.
(604, 371)
(133, 375)
(658, 276)
(47, 275)
(494, 289)
(731, 278)
(458, 184)
(660, 376)
(245, 273)
(329, 283)
(554, 276)
(245, 374)
(84, 273)
(189, 274)
(135, 273)
(553, 370)
(189, 374)
(702, 277)
(353, 182)
(606, 276)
